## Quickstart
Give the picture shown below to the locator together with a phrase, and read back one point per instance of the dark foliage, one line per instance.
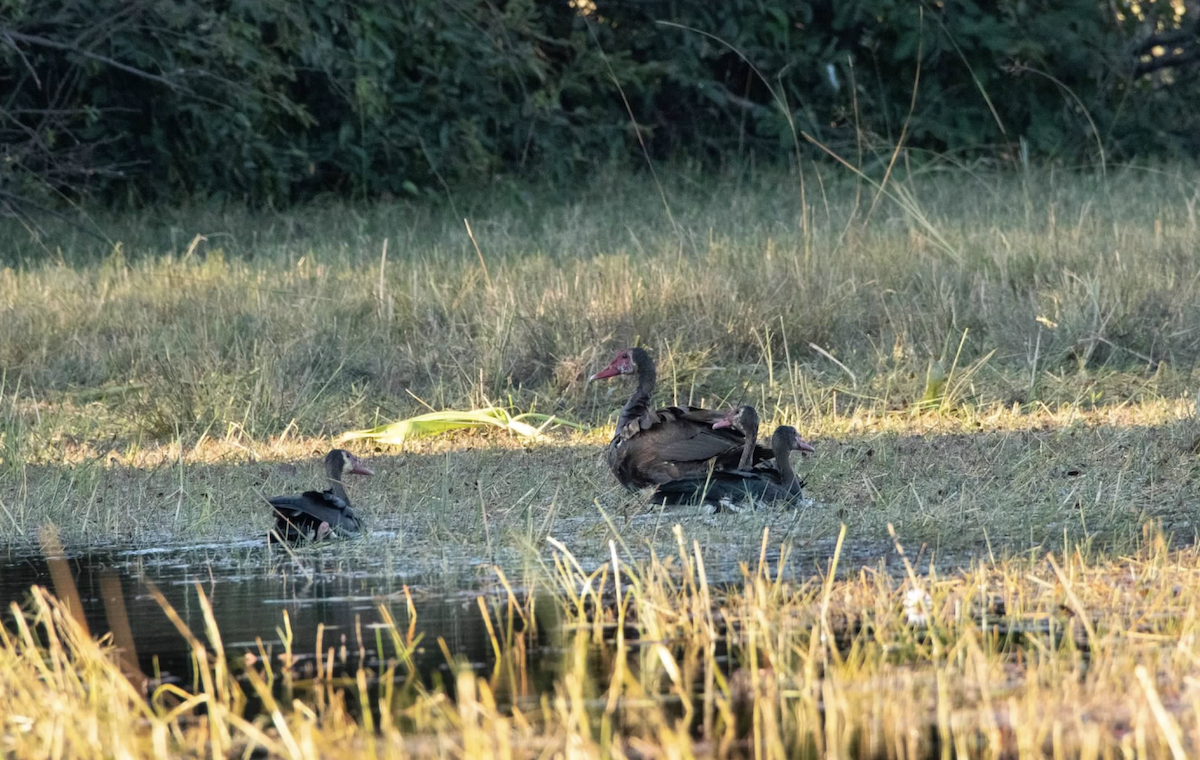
(270, 101)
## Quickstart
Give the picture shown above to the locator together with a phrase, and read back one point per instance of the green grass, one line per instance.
(999, 359)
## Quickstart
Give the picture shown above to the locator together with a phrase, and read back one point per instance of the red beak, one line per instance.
(724, 422)
(804, 446)
(609, 371)
(358, 468)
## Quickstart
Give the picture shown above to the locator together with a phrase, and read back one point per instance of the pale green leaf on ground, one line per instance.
(436, 423)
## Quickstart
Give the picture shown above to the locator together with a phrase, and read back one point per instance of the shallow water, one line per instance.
(337, 586)
(250, 588)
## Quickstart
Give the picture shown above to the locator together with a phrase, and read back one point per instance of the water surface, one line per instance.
(250, 588)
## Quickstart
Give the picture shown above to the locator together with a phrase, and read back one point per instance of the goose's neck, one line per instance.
(747, 460)
(639, 402)
(335, 485)
(783, 462)
(339, 490)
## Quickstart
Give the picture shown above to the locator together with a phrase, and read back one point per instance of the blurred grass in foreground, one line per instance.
(1067, 655)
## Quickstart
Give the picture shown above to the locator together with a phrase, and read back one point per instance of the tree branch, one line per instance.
(33, 39)
(28, 66)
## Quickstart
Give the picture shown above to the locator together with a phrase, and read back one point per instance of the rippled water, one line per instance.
(251, 587)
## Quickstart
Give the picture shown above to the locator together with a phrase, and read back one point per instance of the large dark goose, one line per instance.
(316, 515)
(652, 446)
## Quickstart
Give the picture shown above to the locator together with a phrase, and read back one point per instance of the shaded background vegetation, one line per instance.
(140, 102)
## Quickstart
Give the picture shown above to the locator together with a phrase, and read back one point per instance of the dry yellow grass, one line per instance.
(1052, 656)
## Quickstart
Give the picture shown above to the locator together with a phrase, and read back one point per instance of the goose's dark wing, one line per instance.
(312, 508)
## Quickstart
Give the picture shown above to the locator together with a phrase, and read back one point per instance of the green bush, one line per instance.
(271, 101)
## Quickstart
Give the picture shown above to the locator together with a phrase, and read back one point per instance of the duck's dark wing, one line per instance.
(675, 442)
(721, 485)
(723, 488)
(304, 514)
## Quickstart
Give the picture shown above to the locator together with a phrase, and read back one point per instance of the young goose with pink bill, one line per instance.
(743, 419)
(317, 515)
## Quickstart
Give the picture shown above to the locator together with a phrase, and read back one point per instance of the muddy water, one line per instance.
(250, 590)
(339, 589)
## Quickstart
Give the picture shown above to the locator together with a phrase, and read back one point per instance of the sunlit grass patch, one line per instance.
(999, 476)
